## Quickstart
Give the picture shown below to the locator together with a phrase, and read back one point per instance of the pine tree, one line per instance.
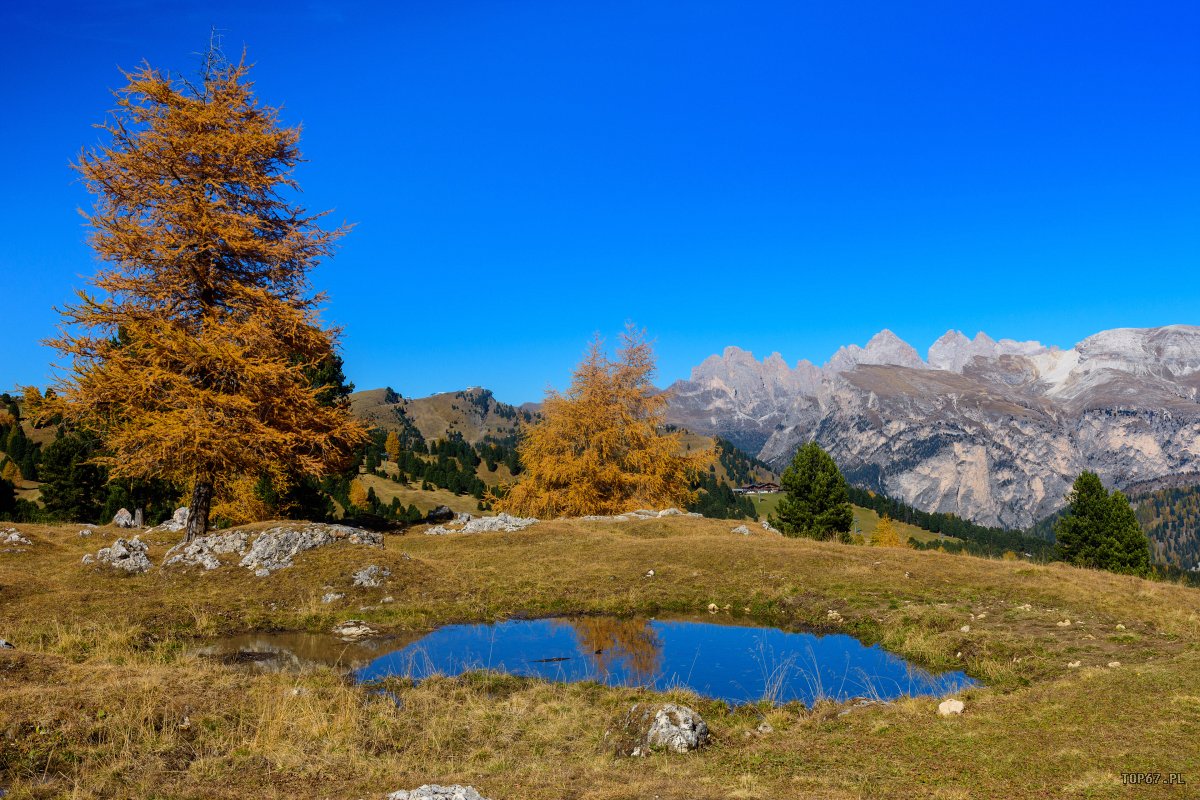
(195, 361)
(11, 472)
(597, 449)
(817, 503)
(1101, 530)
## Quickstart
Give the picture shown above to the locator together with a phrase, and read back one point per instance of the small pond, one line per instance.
(738, 664)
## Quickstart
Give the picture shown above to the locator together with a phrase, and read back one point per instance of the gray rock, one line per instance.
(371, 576)
(431, 791)
(352, 629)
(439, 514)
(123, 519)
(742, 529)
(275, 548)
(84, 532)
(766, 526)
(331, 597)
(670, 512)
(950, 708)
(13, 536)
(501, 522)
(128, 555)
(177, 522)
(666, 726)
(6, 645)
(203, 551)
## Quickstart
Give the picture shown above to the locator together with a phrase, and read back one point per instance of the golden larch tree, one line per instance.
(599, 447)
(194, 357)
(392, 446)
(885, 533)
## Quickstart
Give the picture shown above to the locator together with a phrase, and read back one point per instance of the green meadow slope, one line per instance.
(105, 696)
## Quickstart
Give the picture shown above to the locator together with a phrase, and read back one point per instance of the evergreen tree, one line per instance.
(816, 504)
(1101, 530)
(8, 499)
(74, 488)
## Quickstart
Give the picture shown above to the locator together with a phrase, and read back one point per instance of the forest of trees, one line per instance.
(976, 539)
(1171, 517)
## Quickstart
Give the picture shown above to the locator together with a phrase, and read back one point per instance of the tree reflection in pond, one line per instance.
(628, 646)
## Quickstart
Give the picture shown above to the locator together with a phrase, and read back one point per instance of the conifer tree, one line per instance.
(194, 360)
(1100, 530)
(392, 446)
(358, 494)
(597, 448)
(817, 504)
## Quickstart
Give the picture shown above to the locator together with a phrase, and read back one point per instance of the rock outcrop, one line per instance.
(666, 726)
(126, 555)
(266, 551)
(432, 791)
(994, 431)
(371, 577)
(500, 522)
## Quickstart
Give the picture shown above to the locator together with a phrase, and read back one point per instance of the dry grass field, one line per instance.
(104, 695)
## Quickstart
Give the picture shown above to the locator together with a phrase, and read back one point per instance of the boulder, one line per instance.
(431, 791)
(123, 519)
(5, 645)
(275, 548)
(439, 514)
(128, 555)
(670, 512)
(665, 726)
(371, 576)
(352, 629)
(331, 597)
(13, 536)
(177, 522)
(949, 708)
(203, 550)
(742, 529)
(768, 527)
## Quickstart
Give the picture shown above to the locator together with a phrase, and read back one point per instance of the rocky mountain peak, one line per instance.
(884, 348)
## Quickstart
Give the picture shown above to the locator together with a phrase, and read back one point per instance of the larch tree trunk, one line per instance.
(197, 524)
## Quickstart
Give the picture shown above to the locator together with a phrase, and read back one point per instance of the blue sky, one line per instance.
(781, 176)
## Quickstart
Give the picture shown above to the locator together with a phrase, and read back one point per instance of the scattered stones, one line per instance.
(1074, 664)
(331, 597)
(128, 555)
(742, 529)
(834, 615)
(275, 548)
(432, 791)
(949, 708)
(1025, 607)
(502, 522)
(352, 629)
(13, 536)
(123, 519)
(203, 550)
(1066, 623)
(85, 532)
(371, 576)
(965, 629)
(667, 726)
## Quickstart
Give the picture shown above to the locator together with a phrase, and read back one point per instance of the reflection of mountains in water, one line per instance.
(293, 651)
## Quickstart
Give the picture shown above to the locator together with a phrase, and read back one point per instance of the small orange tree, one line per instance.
(195, 360)
(885, 534)
(598, 448)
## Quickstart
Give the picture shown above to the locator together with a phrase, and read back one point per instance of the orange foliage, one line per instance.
(597, 448)
(192, 361)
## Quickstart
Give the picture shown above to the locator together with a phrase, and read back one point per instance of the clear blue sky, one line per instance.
(784, 176)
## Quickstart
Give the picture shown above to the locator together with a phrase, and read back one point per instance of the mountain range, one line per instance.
(994, 431)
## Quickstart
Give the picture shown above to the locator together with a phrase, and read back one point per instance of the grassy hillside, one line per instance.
(865, 521)
(105, 696)
(473, 413)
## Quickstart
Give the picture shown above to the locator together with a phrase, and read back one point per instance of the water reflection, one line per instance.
(738, 664)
